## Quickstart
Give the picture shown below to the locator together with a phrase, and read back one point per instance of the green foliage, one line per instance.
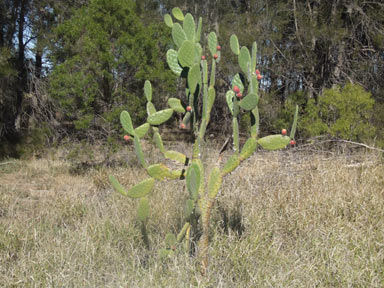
(103, 43)
(343, 112)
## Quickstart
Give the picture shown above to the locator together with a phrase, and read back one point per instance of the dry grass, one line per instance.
(306, 221)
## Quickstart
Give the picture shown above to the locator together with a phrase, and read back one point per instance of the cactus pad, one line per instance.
(254, 57)
(168, 20)
(143, 209)
(248, 149)
(249, 102)
(142, 130)
(194, 77)
(150, 108)
(189, 27)
(178, 14)
(137, 191)
(126, 122)
(229, 97)
(178, 34)
(158, 141)
(211, 98)
(236, 81)
(148, 90)
(212, 43)
(160, 117)
(175, 156)
(161, 172)
(234, 43)
(175, 104)
(274, 142)
(231, 164)
(245, 60)
(173, 62)
(186, 54)
(182, 232)
(189, 206)
(193, 181)
(214, 182)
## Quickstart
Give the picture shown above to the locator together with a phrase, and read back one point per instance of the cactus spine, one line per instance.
(187, 62)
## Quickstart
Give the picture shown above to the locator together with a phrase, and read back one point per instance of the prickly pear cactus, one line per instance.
(188, 61)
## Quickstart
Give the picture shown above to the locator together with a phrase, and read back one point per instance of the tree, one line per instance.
(101, 57)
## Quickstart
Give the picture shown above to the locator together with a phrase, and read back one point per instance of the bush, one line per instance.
(340, 112)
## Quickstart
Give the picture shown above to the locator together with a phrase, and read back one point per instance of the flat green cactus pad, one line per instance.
(248, 149)
(236, 81)
(189, 206)
(150, 108)
(212, 43)
(148, 90)
(142, 130)
(249, 102)
(182, 232)
(175, 156)
(193, 181)
(234, 43)
(231, 164)
(175, 104)
(160, 117)
(178, 34)
(214, 182)
(158, 141)
(178, 14)
(161, 172)
(194, 77)
(168, 20)
(254, 57)
(211, 97)
(139, 190)
(245, 60)
(229, 97)
(186, 54)
(189, 27)
(274, 142)
(126, 122)
(173, 63)
(143, 209)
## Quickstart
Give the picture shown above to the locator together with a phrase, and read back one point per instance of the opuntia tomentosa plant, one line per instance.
(187, 62)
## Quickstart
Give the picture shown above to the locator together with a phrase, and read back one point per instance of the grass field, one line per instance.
(306, 220)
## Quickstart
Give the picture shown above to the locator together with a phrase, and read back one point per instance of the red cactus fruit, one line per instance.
(203, 57)
(257, 72)
(236, 89)
(218, 47)
(239, 95)
(182, 126)
(284, 132)
(293, 143)
(215, 56)
(189, 108)
(126, 138)
(259, 77)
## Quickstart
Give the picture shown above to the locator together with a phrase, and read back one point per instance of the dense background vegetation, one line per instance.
(67, 68)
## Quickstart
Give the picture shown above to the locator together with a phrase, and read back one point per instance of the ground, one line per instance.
(283, 219)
